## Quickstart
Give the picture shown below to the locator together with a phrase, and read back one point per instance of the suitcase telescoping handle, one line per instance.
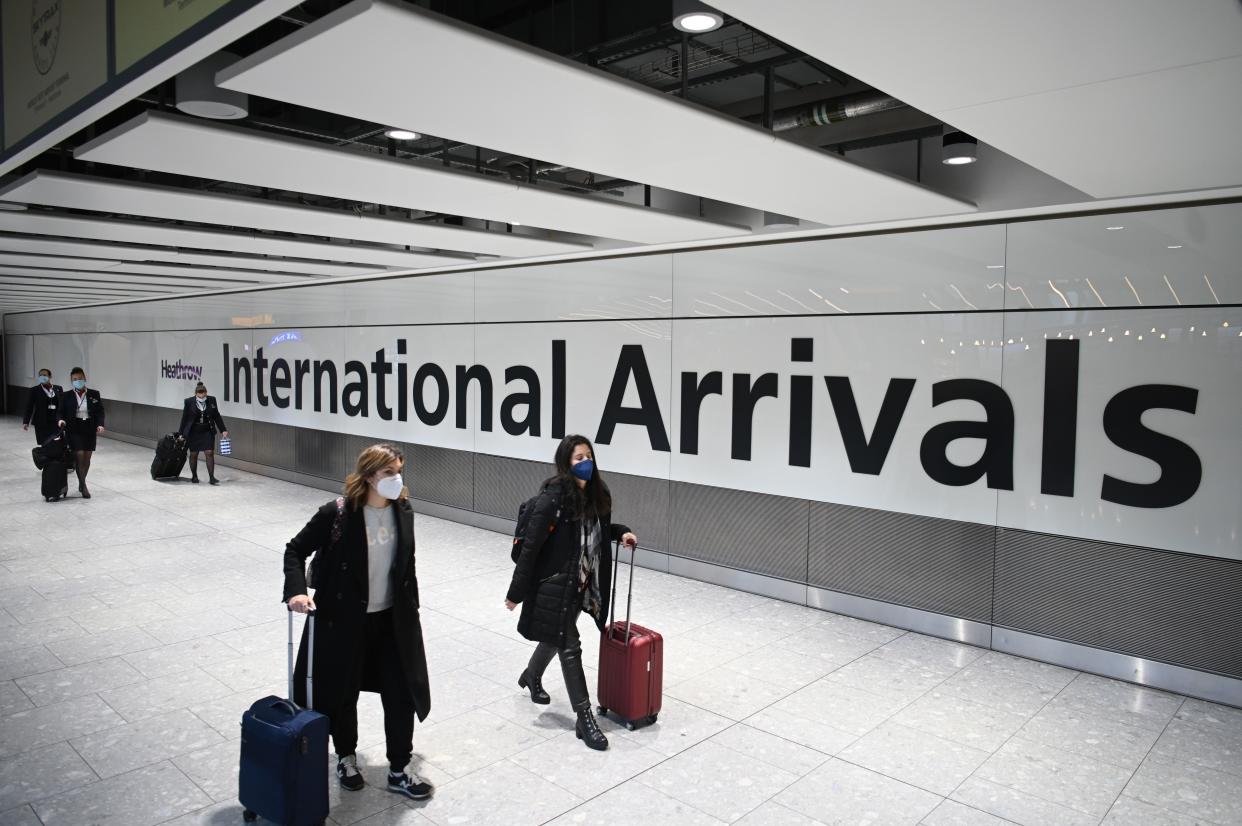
(310, 658)
(629, 598)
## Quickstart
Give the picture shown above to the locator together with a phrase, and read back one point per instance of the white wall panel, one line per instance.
(516, 316)
(1160, 257)
(913, 272)
(1207, 360)
(869, 351)
(597, 290)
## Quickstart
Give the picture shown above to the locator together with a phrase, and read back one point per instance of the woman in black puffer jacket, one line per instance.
(564, 568)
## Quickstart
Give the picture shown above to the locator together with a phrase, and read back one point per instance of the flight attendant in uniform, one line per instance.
(200, 419)
(42, 407)
(83, 411)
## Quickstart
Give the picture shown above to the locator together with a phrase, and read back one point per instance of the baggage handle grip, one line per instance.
(286, 706)
(629, 599)
(310, 656)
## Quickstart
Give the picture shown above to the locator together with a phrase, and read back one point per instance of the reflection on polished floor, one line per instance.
(136, 627)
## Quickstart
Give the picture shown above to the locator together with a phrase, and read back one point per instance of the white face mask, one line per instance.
(390, 487)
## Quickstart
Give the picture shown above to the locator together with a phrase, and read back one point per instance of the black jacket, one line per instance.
(37, 403)
(189, 415)
(94, 407)
(341, 602)
(545, 579)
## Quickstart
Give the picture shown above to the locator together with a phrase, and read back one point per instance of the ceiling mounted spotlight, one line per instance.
(693, 17)
(197, 93)
(402, 135)
(959, 148)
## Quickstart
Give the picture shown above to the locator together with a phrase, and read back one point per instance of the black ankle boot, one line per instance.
(213, 480)
(588, 730)
(537, 694)
(194, 478)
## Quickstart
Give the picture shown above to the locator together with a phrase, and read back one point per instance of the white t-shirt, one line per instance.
(381, 550)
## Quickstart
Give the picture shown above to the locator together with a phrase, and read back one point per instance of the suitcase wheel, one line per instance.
(653, 718)
(630, 725)
(603, 712)
(249, 816)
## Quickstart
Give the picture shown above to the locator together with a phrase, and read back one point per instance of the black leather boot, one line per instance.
(588, 730)
(534, 684)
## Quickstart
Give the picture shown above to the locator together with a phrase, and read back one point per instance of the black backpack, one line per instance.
(523, 521)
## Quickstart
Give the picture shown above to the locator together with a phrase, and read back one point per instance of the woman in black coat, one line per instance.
(42, 407)
(200, 419)
(564, 568)
(367, 631)
(83, 411)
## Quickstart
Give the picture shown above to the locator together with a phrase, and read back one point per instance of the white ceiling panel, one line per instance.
(121, 252)
(385, 62)
(104, 195)
(194, 282)
(1114, 97)
(185, 146)
(135, 232)
(57, 262)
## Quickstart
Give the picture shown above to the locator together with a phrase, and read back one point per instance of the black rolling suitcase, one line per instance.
(55, 479)
(284, 753)
(169, 458)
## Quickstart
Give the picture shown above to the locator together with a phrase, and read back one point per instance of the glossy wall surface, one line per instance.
(1030, 426)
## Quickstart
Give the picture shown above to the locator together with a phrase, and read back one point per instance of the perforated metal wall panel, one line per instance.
(642, 503)
(167, 420)
(274, 445)
(749, 531)
(241, 434)
(932, 564)
(501, 484)
(142, 421)
(441, 475)
(320, 453)
(1172, 607)
(119, 416)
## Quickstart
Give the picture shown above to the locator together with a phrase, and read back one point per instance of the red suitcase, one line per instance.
(631, 663)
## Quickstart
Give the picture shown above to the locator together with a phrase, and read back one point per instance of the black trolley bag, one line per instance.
(54, 458)
(170, 454)
(284, 753)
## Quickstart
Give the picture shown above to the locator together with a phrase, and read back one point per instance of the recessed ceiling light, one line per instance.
(1175, 246)
(694, 17)
(996, 266)
(1113, 229)
(515, 223)
(402, 135)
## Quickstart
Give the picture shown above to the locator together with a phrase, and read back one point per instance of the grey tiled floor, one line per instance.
(136, 627)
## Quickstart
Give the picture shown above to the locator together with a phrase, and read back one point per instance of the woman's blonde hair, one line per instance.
(370, 461)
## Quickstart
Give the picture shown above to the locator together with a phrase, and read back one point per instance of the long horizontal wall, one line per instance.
(1021, 435)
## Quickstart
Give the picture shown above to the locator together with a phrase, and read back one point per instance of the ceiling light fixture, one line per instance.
(1113, 229)
(958, 149)
(1175, 246)
(693, 17)
(402, 135)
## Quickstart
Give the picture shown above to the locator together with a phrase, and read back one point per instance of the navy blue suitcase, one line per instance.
(284, 754)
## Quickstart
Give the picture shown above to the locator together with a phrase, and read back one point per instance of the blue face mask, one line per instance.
(79, 384)
(44, 379)
(584, 470)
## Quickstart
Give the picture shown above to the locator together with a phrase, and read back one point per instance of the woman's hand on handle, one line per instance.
(629, 540)
(301, 604)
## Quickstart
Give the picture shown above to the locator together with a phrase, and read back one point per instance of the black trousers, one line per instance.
(379, 646)
(571, 663)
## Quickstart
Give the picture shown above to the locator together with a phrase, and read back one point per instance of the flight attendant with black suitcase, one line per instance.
(200, 420)
(82, 416)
